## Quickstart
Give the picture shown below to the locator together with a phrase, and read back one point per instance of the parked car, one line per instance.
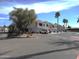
(43, 31)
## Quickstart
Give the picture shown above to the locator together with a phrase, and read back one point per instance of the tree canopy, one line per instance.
(57, 14)
(65, 21)
(22, 18)
(69, 27)
(78, 20)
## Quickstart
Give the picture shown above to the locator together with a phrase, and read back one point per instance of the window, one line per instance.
(40, 24)
(43, 24)
(47, 25)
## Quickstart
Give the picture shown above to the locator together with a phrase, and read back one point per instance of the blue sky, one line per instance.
(45, 10)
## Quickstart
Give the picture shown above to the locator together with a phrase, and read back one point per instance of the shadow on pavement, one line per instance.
(5, 38)
(69, 43)
(5, 52)
(42, 53)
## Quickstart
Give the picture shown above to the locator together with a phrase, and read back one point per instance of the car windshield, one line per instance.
(39, 29)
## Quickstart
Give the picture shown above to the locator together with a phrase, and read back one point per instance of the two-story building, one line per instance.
(40, 26)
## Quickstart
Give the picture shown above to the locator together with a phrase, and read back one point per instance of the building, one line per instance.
(40, 26)
(60, 28)
(3, 29)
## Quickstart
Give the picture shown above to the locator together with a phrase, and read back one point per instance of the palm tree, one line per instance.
(57, 14)
(78, 20)
(65, 21)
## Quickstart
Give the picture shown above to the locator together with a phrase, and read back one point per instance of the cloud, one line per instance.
(69, 0)
(24, 1)
(6, 10)
(4, 18)
(45, 7)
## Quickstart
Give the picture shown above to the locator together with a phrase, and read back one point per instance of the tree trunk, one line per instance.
(57, 25)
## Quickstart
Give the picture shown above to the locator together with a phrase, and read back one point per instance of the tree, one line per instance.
(22, 18)
(65, 21)
(69, 27)
(78, 20)
(57, 14)
(4, 27)
(12, 28)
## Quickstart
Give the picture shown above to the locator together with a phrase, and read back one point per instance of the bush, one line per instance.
(13, 31)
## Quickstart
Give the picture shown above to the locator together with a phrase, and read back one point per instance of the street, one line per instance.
(41, 46)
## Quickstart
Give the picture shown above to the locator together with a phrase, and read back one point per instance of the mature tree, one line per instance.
(57, 14)
(65, 21)
(22, 18)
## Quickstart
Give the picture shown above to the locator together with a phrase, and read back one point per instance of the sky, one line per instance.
(45, 10)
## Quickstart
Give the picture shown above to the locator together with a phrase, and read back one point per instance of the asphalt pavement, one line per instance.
(64, 45)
